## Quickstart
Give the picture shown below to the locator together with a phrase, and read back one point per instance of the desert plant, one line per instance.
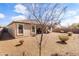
(63, 38)
(69, 33)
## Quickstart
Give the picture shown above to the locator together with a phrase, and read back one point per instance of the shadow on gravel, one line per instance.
(60, 42)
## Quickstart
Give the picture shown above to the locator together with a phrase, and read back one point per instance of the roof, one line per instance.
(30, 21)
(24, 21)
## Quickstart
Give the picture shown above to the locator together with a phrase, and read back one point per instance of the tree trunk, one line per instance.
(40, 44)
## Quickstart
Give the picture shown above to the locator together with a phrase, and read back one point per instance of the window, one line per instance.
(33, 29)
(20, 29)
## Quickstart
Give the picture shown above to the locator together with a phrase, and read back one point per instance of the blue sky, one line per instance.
(12, 11)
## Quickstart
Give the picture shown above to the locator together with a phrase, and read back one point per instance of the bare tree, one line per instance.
(45, 15)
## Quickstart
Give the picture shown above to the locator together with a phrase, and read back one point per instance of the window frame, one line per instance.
(18, 29)
(33, 28)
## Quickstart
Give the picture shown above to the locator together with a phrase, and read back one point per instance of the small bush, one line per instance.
(69, 33)
(63, 38)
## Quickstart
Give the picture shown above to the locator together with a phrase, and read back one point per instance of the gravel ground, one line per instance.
(49, 46)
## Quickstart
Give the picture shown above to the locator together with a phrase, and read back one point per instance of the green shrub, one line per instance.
(63, 38)
(69, 33)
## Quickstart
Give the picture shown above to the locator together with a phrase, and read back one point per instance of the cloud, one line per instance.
(19, 8)
(72, 12)
(71, 17)
(70, 21)
(19, 17)
(2, 16)
(66, 22)
(76, 19)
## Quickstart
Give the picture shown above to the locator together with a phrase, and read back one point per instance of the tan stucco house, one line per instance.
(24, 28)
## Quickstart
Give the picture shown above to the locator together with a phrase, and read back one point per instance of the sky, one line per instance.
(12, 11)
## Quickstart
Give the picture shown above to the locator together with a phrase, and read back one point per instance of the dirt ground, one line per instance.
(49, 46)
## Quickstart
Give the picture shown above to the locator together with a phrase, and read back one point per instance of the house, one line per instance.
(20, 28)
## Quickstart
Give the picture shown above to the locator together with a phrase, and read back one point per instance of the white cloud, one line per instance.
(70, 21)
(71, 17)
(19, 8)
(2, 16)
(76, 19)
(66, 22)
(19, 17)
(72, 12)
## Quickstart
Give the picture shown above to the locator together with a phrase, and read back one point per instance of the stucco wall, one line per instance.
(12, 29)
(27, 29)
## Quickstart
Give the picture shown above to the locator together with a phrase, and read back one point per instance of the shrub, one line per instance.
(63, 38)
(69, 33)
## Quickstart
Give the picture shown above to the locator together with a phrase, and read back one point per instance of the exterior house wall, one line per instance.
(12, 29)
(33, 31)
(27, 29)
